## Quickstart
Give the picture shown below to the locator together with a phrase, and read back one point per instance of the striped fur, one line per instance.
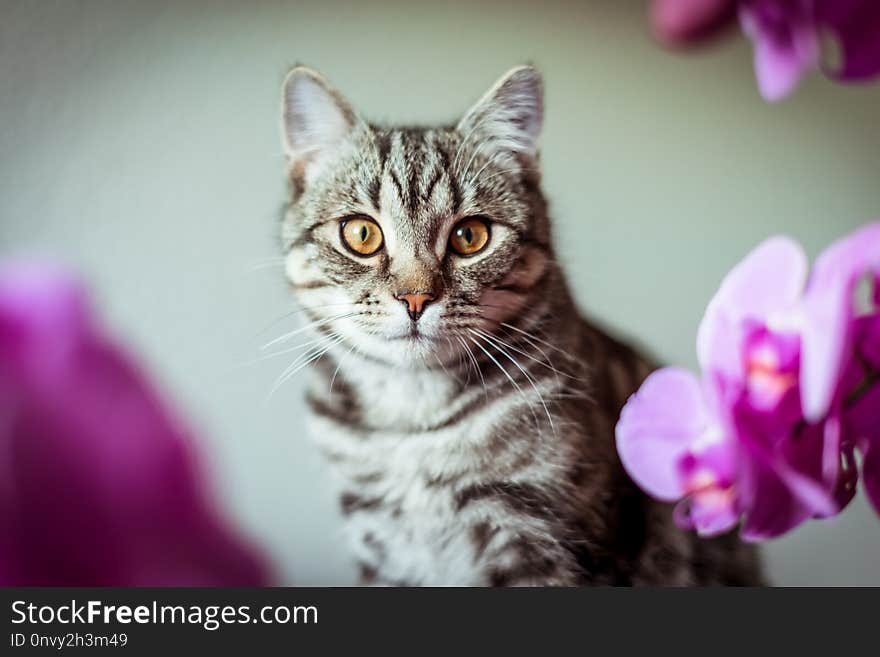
(475, 445)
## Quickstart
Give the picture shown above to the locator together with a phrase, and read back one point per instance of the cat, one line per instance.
(465, 407)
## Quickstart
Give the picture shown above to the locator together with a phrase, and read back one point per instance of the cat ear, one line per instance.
(509, 117)
(316, 122)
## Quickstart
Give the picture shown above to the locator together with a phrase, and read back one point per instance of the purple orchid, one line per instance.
(688, 22)
(845, 355)
(99, 483)
(786, 34)
(673, 440)
(788, 392)
(786, 43)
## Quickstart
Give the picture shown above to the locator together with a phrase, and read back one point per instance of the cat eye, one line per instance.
(361, 235)
(469, 236)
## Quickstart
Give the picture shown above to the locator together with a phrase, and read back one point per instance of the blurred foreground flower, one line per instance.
(790, 392)
(787, 35)
(98, 483)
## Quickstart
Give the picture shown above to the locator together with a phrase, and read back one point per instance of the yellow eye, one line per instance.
(361, 235)
(469, 236)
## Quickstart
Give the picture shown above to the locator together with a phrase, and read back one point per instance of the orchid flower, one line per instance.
(767, 435)
(674, 442)
(785, 38)
(99, 483)
(786, 34)
(844, 346)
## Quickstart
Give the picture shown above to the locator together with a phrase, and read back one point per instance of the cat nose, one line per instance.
(415, 302)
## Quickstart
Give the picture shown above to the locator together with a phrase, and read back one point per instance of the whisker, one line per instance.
(297, 311)
(461, 365)
(304, 360)
(342, 360)
(537, 339)
(275, 354)
(268, 261)
(512, 380)
(548, 364)
(443, 366)
(339, 364)
(264, 265)
(492, 342)
(476, 365)
(315, 324)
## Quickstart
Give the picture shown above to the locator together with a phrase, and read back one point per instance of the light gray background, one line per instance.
(139, 141)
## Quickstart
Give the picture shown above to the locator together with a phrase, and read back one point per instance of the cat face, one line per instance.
(402, 242)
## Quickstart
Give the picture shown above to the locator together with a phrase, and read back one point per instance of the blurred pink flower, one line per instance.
(848, 352)
(788, 393)
(785, 39)
(688, 22)
(674, 441)
(98, 480)
(786, 35)
(832, 320)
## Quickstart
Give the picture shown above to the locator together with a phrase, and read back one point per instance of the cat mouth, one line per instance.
(414, 335)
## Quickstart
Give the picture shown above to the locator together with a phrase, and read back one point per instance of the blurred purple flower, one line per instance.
(863, 425)
(788, 393)
(98, 481)
(688, 22)
(786, 35)
(673, 440)
(848, 352)
(832, 321)
(786, 43)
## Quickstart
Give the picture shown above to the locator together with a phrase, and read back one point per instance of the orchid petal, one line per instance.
(828, 310)
(786, 46)
(824, 338)
(657, 426)
(43, 314)
(797, 464)
(768, 502)
(863, 417)
(712, 519)
(848, 258)
(856, 24)
(683, 22)
(868, 338)
(707, 519)
(863, 428)
(94, 460)
(709, 470)
(774, 510)
(768, 280)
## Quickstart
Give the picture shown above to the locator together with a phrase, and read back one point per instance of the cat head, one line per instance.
(402, 242)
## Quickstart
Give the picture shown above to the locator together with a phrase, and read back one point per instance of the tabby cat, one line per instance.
(464, 405)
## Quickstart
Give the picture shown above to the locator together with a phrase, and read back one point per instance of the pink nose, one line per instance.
(415, 302)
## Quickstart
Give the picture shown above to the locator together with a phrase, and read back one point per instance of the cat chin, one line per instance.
(413, 348)
(417, 351)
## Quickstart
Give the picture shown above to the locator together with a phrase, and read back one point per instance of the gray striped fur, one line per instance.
(474, 446)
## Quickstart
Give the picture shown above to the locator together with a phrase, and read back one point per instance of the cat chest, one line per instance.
(413, 536)
(402, 518)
